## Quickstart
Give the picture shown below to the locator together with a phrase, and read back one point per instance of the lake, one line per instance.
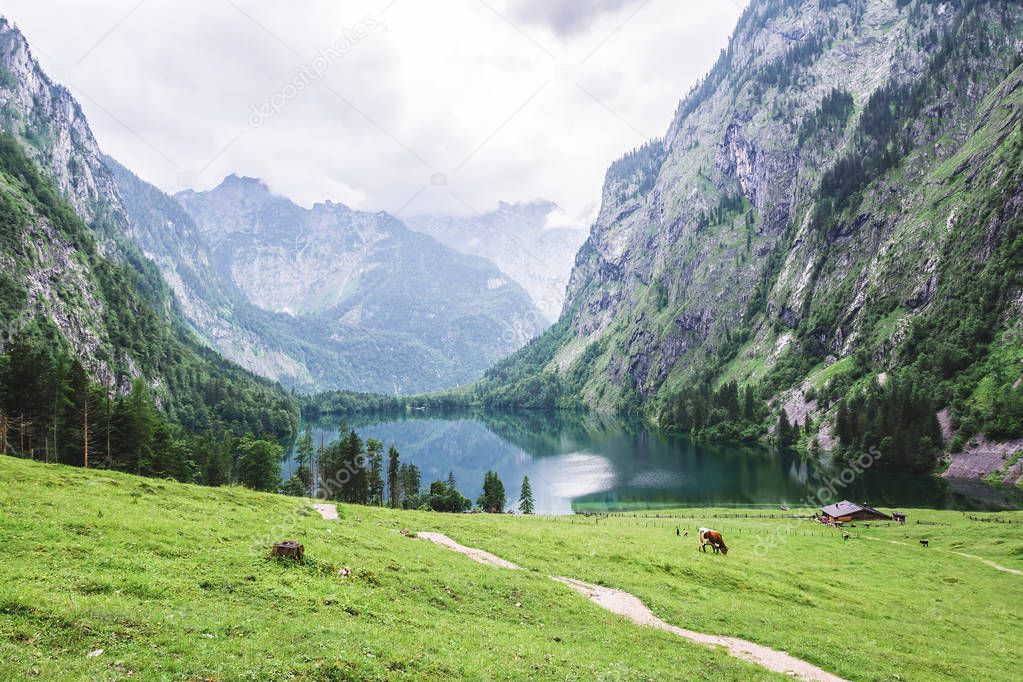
(583, 463)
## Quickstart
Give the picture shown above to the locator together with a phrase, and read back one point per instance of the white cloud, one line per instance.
(567, 17)
(457, 88)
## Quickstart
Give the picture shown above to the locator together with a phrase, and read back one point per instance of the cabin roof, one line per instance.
(847, 508)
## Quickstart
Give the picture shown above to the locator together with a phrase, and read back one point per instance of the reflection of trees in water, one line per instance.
(649, 468)
(543, 434)
(538, 433)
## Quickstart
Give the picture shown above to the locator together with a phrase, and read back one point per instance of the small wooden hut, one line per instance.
(850, 511)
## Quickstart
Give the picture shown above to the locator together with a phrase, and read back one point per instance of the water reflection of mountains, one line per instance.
(620, 464)
(540, 434)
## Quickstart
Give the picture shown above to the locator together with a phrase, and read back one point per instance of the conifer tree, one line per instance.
(493, 498)
(526, 497)
(375, 453)
(393, 484)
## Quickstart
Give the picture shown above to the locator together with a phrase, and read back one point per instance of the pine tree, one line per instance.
(218, 462)
(749, 408)
(393, 485)
(304, 448)
(139, 422)
(375, 452)
(410, 481)
(79, 417)
(493, 498)
(784, 431)
(526, 497)
(357, 489)
(259, 464)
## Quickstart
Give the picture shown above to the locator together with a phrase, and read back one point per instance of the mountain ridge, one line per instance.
(793, 217)
(520, 239)
(363, 285)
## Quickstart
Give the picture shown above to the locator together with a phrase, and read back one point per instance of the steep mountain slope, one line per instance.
(407, 313)
(519, 240)
(72, 281)
(60, 295)
(217, 310)
(812, 219)
(424, 318)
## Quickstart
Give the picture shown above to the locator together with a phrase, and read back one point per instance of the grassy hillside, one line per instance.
(864, 609)
(172, 582)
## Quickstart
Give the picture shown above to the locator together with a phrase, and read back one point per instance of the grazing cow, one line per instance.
(925, 543)
(714, 539)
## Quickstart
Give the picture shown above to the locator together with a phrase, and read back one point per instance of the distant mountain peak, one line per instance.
(516, 237)
(531, 206)
(234, 182)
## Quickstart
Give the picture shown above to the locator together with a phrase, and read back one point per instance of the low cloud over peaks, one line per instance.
(566, 17)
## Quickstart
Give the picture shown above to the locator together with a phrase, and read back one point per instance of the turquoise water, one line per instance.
(579, 463)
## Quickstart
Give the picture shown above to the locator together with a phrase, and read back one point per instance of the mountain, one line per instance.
(402, 312)
(520, 239)
(833, 219)
(77, 296)
(415, 316)
(216, 309)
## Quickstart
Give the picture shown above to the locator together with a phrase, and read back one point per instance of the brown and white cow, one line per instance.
(714, 539)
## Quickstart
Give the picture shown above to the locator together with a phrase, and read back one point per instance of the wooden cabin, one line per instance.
(850, 511)
(899, 517)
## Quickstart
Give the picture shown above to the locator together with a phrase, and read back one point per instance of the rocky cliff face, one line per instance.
(405, 312)
(48, 119)
(73, 282)
(522, 239)
(216, 309)
(802, 205)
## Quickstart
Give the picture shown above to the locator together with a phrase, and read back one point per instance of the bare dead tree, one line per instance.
(110, 419)
(85, 429)
(23, 427)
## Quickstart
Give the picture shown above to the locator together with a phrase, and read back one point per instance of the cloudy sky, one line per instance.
(406, 106)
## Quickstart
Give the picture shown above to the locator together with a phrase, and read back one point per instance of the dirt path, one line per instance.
(627, 605)
(471, 552)
(997, 567)
(327, 511)
(988, 562)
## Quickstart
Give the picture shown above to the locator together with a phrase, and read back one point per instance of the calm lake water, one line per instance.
(579, 463)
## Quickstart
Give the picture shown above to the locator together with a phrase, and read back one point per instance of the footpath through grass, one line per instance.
(862, 608)
(172, 582)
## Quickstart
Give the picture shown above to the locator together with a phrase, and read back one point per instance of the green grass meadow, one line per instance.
(173, 582)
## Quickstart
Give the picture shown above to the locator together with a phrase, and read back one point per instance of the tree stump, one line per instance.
(289, 549)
